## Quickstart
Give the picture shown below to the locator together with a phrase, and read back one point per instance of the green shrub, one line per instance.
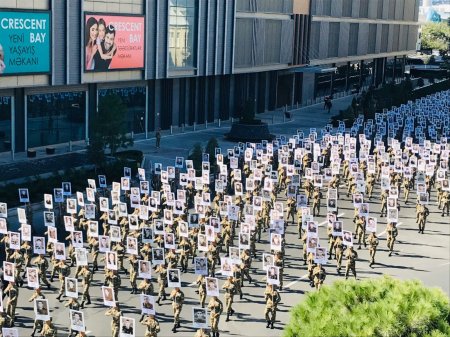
(375, 307)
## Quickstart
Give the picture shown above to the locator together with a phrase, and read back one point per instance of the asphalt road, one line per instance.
(424, 257)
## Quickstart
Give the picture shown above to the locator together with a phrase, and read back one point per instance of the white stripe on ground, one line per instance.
(294, 282)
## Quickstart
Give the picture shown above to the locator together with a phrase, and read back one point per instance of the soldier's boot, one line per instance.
(59, 297)
(142, 318)
(174, 329)
(82, 305)
(88, 300)
(241, 295)
(271, 325)
(390, 253)
(48, 285)
(228, 317)
(268, 325)
(34, 331)
(158, 301)
(178, 324)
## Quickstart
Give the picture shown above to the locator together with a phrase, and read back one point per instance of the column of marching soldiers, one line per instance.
(375, 161)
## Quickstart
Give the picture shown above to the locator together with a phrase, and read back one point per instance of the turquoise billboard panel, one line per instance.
(25, 42)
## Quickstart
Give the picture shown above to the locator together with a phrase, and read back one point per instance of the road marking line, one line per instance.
(383, 232)
(294, 282)
(326, 221)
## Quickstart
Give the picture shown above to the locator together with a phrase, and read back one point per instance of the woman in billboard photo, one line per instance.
(101, 40)
(91, 34)
(2, 60)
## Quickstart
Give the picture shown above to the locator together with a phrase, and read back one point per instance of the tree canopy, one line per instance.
(436, 35)
(109, 127)
(375, 307)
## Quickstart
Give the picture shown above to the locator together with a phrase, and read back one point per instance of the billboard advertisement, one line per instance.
(113, 42)
(25, 42)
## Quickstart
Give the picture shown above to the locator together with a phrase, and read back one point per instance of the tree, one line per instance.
(109, 127)
(196, 155)
(374, 307)
(436, 35)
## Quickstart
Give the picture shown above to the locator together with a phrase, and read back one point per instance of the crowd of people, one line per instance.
(209, 221)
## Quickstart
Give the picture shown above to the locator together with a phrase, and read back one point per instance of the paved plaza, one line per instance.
(424, 257)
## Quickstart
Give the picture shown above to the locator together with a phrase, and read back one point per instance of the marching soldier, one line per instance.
(331, 241)
(317, 195)
(162, 279)
(201, 333)
(27, 251)
(201, 283)
(391, 232)
(245, 267)
(305, 248)
(272, 298)
(115, 314)
(4, 322)
(42, 264)
(351, 257)
(370, 182)
(113, 280)
(49, 329)
(422, 214)
(279, 262)
(94, 250)
(177, 297)
(63, 272)
(361, 230)
(445, 201)
(86, 283)
(38, 323)
(72, 304)
(18, 260)
(12, 291)
(134, 264)
(230, 291)
(319, 275)
(339, 250)
(145, 287)
(185, 247)
(373, 243)
(215, 307)
(152, 326)
(384, 196)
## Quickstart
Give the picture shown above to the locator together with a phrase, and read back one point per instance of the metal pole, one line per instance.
(171, 129)
(219, 122)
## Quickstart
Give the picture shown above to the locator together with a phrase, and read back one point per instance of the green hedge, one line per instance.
(375, 307)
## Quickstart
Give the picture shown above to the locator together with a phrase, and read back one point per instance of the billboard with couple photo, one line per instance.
(113, 42)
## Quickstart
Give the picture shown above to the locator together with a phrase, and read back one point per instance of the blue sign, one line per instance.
(25, 40)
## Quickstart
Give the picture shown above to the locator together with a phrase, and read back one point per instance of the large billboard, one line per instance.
(25, 42)
(113, 42)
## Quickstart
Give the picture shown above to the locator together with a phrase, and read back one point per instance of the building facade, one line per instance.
(177, 62)
(358, 43)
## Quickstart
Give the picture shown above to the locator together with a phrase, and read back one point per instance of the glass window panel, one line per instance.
(56, 118)
(134, 99)
(5, 124)
(182, 31)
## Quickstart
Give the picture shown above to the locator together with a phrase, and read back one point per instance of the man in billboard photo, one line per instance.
(106, 50)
